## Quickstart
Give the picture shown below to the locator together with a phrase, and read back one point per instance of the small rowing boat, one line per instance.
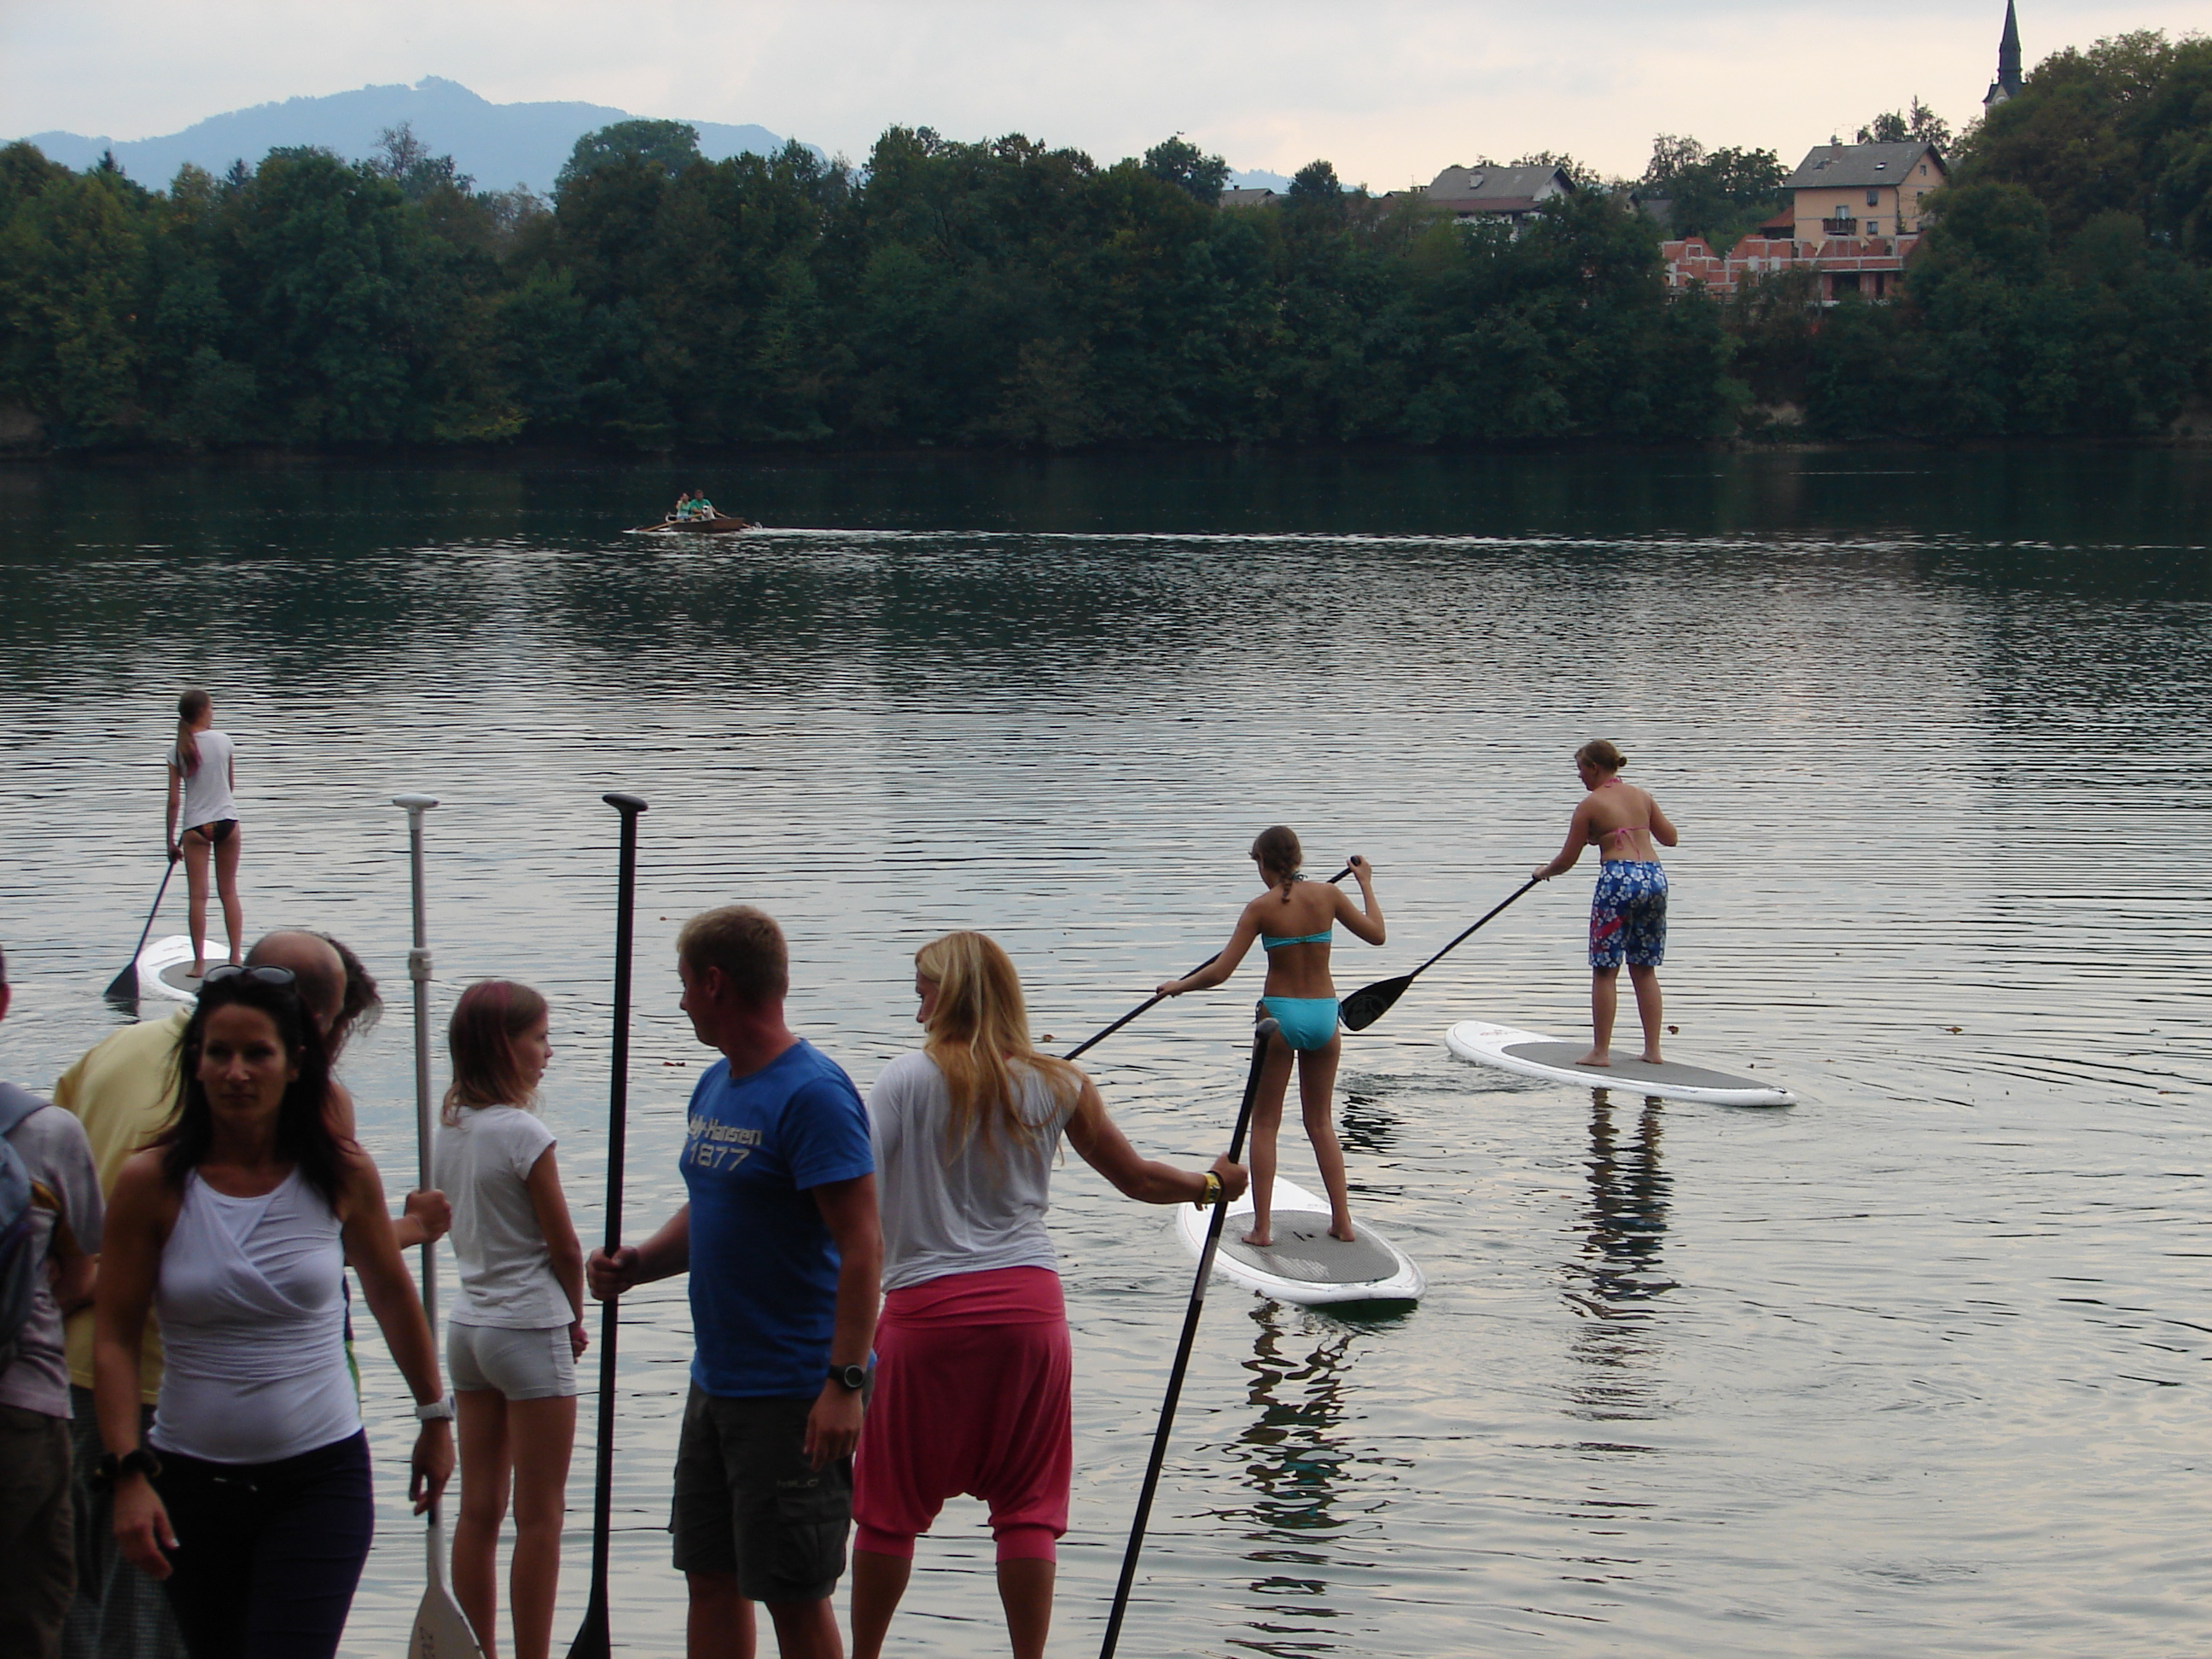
(720, 525)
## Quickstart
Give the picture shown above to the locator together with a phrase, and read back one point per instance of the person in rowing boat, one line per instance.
(1292, 920)
(973, 1364)
(1628, 912)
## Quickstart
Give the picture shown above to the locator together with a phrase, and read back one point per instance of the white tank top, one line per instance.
(207, 787)
(252, 1302)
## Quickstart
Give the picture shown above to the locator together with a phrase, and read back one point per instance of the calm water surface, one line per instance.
(1918, 1363)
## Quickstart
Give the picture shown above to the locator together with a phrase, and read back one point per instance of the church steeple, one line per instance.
(2007, 85)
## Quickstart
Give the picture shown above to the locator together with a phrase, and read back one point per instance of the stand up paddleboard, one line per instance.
(1305, 1265)
(162, 967)
(1535, 1056)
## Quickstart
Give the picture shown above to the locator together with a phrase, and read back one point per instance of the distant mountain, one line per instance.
(1257, 178)
(498, 144)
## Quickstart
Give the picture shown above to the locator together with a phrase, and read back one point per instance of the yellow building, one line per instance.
(1862, 190)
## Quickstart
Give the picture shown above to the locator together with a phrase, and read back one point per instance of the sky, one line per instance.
(1390, 91)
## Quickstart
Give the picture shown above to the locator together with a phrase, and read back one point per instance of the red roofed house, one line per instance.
(1856, 213)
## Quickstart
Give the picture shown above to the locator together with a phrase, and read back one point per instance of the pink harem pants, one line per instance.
(973, 1375)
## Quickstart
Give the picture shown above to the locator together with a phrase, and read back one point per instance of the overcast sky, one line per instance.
(1389, 90)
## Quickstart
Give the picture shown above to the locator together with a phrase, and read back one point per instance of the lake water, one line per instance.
(1920, 1363)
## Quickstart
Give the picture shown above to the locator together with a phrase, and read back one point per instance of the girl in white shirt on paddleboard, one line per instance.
(203, 772)
(517, 1327)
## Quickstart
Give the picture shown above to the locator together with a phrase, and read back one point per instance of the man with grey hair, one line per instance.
(123, 1090)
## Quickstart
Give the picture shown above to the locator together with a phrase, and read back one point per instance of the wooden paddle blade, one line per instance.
(1370, 1003)
(592, 1642)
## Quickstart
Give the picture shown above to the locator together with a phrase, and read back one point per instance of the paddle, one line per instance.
(1155, 999)
(123, 988)
(1370, 1002)
(1265, 1029)
(591, 1637)
(441, 1629)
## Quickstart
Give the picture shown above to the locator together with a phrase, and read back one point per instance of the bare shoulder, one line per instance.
(143, 1193)
(141, 1173)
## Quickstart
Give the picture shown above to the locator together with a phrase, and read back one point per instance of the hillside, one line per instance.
(498, 144)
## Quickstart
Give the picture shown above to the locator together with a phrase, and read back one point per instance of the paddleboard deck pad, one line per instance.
(1305, 1265)
(1532, 1055)
(162, 968)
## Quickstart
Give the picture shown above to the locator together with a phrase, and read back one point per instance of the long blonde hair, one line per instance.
(979, 1037)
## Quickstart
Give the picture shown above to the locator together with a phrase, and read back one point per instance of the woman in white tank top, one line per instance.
(202, 825)
(251, 1500)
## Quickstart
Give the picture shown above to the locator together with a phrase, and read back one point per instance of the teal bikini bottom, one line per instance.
(1308, 1022)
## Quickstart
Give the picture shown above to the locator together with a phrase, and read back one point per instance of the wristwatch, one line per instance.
(851, 1378)
(111, 1468)
(438, 1411)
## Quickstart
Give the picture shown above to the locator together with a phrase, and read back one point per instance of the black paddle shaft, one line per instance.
(123, 988)
(1154, 1001)
(593, 1640)
(1370, 1002)
(1262, 1035)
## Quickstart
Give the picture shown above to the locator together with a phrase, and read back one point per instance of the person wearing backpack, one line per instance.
(50, 1217)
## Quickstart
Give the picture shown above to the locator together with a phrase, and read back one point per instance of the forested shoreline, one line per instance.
(1009, 295)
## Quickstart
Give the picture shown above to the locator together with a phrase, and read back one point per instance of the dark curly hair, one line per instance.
(303, 1125)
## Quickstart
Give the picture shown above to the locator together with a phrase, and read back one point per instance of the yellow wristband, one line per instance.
(1212, 1195)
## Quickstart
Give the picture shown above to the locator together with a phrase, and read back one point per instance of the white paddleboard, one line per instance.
(1532, 1055)
(162, 967)
(1305, 1265)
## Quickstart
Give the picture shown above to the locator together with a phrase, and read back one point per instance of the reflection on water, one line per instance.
(1294, 1453)
(1618, 1270)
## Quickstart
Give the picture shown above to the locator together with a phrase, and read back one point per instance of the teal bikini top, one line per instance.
(1281, 939)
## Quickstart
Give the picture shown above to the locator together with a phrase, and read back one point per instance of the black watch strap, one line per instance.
(852, 1378)
(111, 1468)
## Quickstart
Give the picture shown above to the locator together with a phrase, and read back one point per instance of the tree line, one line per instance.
(1006, 294)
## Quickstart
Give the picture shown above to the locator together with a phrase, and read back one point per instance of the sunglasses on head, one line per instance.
(252, 975)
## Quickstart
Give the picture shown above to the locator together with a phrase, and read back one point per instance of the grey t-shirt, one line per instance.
(979, 1210)
(66, 1217)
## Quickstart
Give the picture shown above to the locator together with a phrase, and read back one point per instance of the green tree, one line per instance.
(1179, 162)
(1919, 124)
(670, 146)
(1717, 194)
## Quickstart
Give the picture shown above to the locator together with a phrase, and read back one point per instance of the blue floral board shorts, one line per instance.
(1628, 915)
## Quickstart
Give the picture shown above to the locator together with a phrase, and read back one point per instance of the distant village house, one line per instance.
(1472, 195)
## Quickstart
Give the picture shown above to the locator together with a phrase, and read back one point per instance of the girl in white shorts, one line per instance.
(517, 1327)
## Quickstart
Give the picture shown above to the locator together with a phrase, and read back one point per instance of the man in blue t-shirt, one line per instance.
(782, 1242)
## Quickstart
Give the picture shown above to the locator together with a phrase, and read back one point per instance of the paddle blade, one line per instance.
(591, 1641)
(1370, 1002)
(123, 988)
(441, 1629)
